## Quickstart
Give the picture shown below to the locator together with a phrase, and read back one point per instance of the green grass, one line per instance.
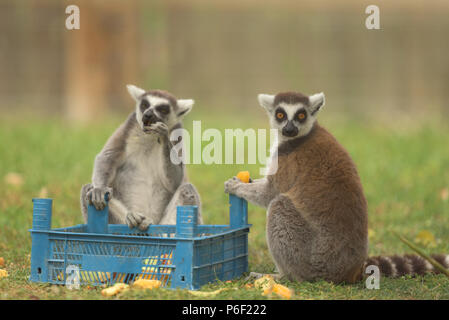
(403, 172)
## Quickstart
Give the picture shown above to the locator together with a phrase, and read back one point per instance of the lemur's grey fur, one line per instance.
(135, 167)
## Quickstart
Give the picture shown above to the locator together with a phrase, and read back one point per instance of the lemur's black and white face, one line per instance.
(292, 114)
(158, 106)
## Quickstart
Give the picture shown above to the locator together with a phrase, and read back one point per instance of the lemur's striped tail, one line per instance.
(396, 266)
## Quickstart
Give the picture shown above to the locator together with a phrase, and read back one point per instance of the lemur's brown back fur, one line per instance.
(316, 174)
(321, 180)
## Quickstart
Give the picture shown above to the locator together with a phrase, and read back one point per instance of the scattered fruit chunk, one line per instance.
(3, 273)
(147, 284)
(115, 289)
(267, 291)
(2, 262)
(269, 286)
(265, 283)
(282, 291)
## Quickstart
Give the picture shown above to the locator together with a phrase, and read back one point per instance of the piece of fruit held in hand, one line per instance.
(244, 176)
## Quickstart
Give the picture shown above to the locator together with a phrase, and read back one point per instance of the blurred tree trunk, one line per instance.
(100, 58)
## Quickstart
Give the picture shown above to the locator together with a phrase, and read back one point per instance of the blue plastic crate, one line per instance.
(185, 255)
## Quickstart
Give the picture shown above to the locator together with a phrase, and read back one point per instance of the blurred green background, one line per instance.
(62, 93)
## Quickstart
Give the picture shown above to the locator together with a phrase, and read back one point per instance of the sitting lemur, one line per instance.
(317, 222)
(135, 167)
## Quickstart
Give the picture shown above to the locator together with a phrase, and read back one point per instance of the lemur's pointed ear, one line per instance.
(317, 101)
(184, 106)
(266, 101)
(135, 92)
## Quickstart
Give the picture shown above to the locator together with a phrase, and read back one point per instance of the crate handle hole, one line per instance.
(39, 270)
(183, 278)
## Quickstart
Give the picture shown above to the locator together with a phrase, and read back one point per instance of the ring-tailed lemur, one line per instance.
(317, 223)
(135, 167)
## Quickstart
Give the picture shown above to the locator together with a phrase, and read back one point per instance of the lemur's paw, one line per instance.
(232, 184)
(143, 226)
(134, 219)
(158, 128)
(96, 196)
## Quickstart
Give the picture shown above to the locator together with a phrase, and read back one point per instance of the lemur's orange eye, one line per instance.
(280, 115)
(301, 116)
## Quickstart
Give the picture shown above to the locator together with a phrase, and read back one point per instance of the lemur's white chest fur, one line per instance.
(138, 180)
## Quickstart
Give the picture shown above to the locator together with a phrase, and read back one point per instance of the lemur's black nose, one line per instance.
(290, 130)
(149, 118)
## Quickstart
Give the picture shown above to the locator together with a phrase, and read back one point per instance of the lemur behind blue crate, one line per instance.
(135, 168)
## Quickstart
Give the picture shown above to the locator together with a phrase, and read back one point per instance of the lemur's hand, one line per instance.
(158, 128)
(135, 219)
(232, 184)
(96, 197)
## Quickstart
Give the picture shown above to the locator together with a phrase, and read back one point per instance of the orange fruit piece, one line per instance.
(243, 176)
(282, 291)
(146, 284)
